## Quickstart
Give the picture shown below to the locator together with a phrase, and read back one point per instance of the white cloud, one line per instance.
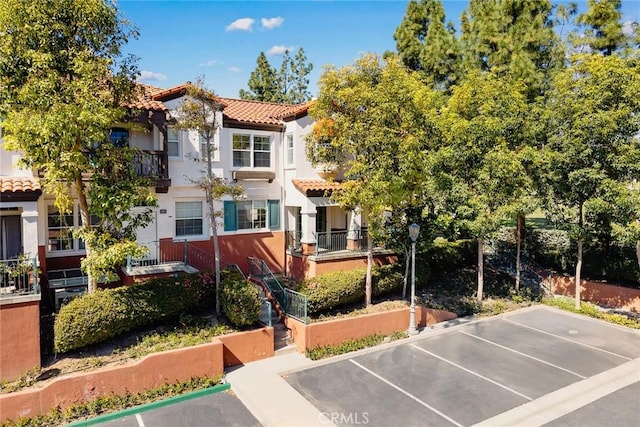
(628, 28)
(242, 24)
(150, 76)
(209, 63)
(271, 23)
(279, 50)
(234, 69)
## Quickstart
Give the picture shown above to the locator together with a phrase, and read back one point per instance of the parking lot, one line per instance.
(532, 367)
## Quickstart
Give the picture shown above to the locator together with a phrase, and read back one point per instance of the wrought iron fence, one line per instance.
(296, 305)
(18, 277)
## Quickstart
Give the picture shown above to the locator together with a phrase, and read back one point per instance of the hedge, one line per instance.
(335, 289)
(102, 315)
(240, 301)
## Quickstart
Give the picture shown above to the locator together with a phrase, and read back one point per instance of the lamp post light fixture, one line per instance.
(414, 230)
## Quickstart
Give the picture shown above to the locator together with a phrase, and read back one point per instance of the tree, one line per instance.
(198, 111)
(594, 122)
(288, 85)
(602, 27)
(479, 163)
(427, 45)
(263, 83)
(63, 84)
(375, 117)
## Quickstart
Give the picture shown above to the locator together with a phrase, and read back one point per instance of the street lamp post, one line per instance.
(414, 230)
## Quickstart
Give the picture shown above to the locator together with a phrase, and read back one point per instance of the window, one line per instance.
(289, 149)
(251, 151)
(173, 142)
(203, 148)
(119, 137)
(247, 215)
(60, 228)
(189, 219)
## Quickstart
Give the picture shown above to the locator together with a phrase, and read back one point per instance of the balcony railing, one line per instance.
(171, 252)
(336, 241)
(18, 277)
(149, 163)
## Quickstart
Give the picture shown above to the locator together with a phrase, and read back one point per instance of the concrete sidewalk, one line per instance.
(269, 397)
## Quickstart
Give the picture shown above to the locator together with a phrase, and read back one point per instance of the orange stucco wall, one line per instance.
(244, 347)
(600, 293)
(149, 372)
(304, 267)
(336, 331)
(19, 338)
(267, 246)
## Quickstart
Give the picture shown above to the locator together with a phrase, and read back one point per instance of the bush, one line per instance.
(338, 288)
(240, 301)
(102, 315)
(446, 256)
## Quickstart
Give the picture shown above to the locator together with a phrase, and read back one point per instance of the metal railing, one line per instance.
(171, 252)
(531, 273)
(293, 239)
(148, 163)
(335, 241)
(236, 267)
(293, 303)
(19, 277)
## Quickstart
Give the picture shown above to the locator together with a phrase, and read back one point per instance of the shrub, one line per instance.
(352, 345)
(446, 256)
(240, 301)
(99, 316)
(338, 288)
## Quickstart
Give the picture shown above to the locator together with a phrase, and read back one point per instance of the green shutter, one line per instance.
(274, 214)
(230, 217)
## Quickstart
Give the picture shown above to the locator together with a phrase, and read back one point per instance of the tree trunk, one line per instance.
(480, 268)
(578, 270)
(638, 252)
(216, 253)
(519, 227)
(85, 217)
(367, 288)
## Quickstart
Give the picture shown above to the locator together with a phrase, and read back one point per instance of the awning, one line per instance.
(19, 188)
(316, 187)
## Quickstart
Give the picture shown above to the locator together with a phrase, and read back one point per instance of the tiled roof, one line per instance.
(315, 185)
(258, 112)
(146, 99)
(18, 184)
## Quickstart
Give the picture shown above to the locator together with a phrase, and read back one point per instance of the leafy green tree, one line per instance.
(375, 117)
(594, 122)
(299, 92)
(198, 111)
(480, 163)
(428, 45)
(263, 82)
(63, 84)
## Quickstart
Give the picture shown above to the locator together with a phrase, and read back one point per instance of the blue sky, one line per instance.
(221, 40)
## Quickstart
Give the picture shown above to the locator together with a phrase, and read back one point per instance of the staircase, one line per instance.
(532, 274)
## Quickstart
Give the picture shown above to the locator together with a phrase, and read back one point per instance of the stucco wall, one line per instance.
(306, 267)
(19, 336)
(268, 246)
(336, 331)
(600, 293)
(149, 372)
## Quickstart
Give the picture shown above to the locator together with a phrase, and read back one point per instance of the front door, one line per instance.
(148, 236)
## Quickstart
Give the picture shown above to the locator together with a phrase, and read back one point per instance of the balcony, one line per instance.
(153, 164)
(18, 277)
(333, 243)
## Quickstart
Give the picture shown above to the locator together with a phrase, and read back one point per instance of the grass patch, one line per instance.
(112, 403)
(591, 310)
(359, 310)
(352, 345)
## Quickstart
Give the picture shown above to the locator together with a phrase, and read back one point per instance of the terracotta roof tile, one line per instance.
(315, 185)
(258, 112)
(15, 184)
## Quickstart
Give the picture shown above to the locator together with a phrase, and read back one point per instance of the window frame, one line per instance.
(289, 149)
(172, 129)
(77, 245)
(263, 215)
(215, 154)
(252, 151)
(189, 218)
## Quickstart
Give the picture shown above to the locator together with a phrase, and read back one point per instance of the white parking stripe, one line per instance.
(406, 393)
(523, 354)
(566, 339)
(140, 422)
(471, 372)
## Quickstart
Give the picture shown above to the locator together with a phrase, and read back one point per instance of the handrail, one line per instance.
(19, 276)
(236, 267)
(507, 262)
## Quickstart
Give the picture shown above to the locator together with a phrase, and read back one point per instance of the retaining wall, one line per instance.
(332, 332)
(604, 294)
(19, 335)
(149, 372)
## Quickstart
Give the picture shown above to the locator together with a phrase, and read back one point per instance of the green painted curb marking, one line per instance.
(149, 406)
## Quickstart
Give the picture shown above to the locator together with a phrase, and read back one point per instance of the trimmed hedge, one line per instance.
(102, 315)
(331, 290)
(240, 301)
